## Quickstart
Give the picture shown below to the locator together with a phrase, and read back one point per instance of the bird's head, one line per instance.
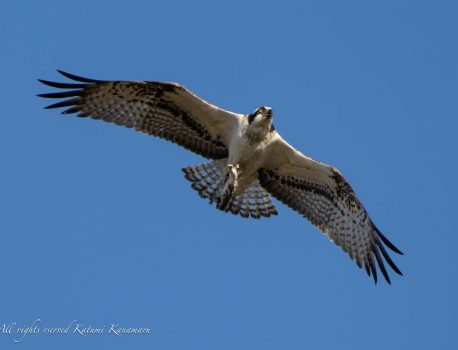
(261, 120)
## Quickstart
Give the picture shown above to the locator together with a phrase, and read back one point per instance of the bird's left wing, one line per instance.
(322, 195)
(166, 110)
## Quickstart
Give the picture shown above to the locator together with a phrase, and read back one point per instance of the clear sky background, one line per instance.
(98, 224)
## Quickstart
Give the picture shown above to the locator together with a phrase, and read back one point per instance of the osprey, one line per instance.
(250, 160)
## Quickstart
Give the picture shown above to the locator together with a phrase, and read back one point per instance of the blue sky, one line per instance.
(99, 225)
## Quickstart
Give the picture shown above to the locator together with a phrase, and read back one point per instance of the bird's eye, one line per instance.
(261, 110)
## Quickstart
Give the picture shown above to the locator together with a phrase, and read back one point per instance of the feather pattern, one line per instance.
(165, 110)
(337, 213)
(208, 179)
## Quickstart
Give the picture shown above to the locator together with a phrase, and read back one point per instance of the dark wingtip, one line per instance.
(374, 273)
(61, 85)
(387, 257)
(47, 82)
(60, 104)
(64, 94)
(387, 242)
(77, 78)
(72, 110)
(380, 263)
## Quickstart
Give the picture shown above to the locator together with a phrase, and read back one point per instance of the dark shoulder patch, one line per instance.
(155, 89)
(269, 178)
(344, 190)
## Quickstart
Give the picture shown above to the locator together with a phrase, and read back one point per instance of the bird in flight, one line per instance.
(250, 161)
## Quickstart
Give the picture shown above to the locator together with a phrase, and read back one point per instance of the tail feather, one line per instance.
(208, 180)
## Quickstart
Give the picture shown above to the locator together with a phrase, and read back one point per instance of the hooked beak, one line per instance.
(269, 113)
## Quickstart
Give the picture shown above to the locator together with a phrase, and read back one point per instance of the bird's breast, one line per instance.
(242, 150)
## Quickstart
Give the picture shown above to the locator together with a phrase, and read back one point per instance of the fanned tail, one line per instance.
(208, 180)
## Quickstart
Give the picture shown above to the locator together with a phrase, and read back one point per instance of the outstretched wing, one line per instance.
(166, 110)
(322, 195)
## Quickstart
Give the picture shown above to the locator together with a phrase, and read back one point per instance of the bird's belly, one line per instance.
(248, 167)
(249, 158)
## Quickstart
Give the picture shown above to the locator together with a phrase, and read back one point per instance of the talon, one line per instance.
(229, 187)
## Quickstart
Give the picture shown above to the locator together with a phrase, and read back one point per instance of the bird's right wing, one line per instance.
(166, 110)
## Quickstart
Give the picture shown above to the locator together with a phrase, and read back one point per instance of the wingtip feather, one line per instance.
(387, 242)
(388, 258)
(77, 78)
(61, 85)
(380, 263)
